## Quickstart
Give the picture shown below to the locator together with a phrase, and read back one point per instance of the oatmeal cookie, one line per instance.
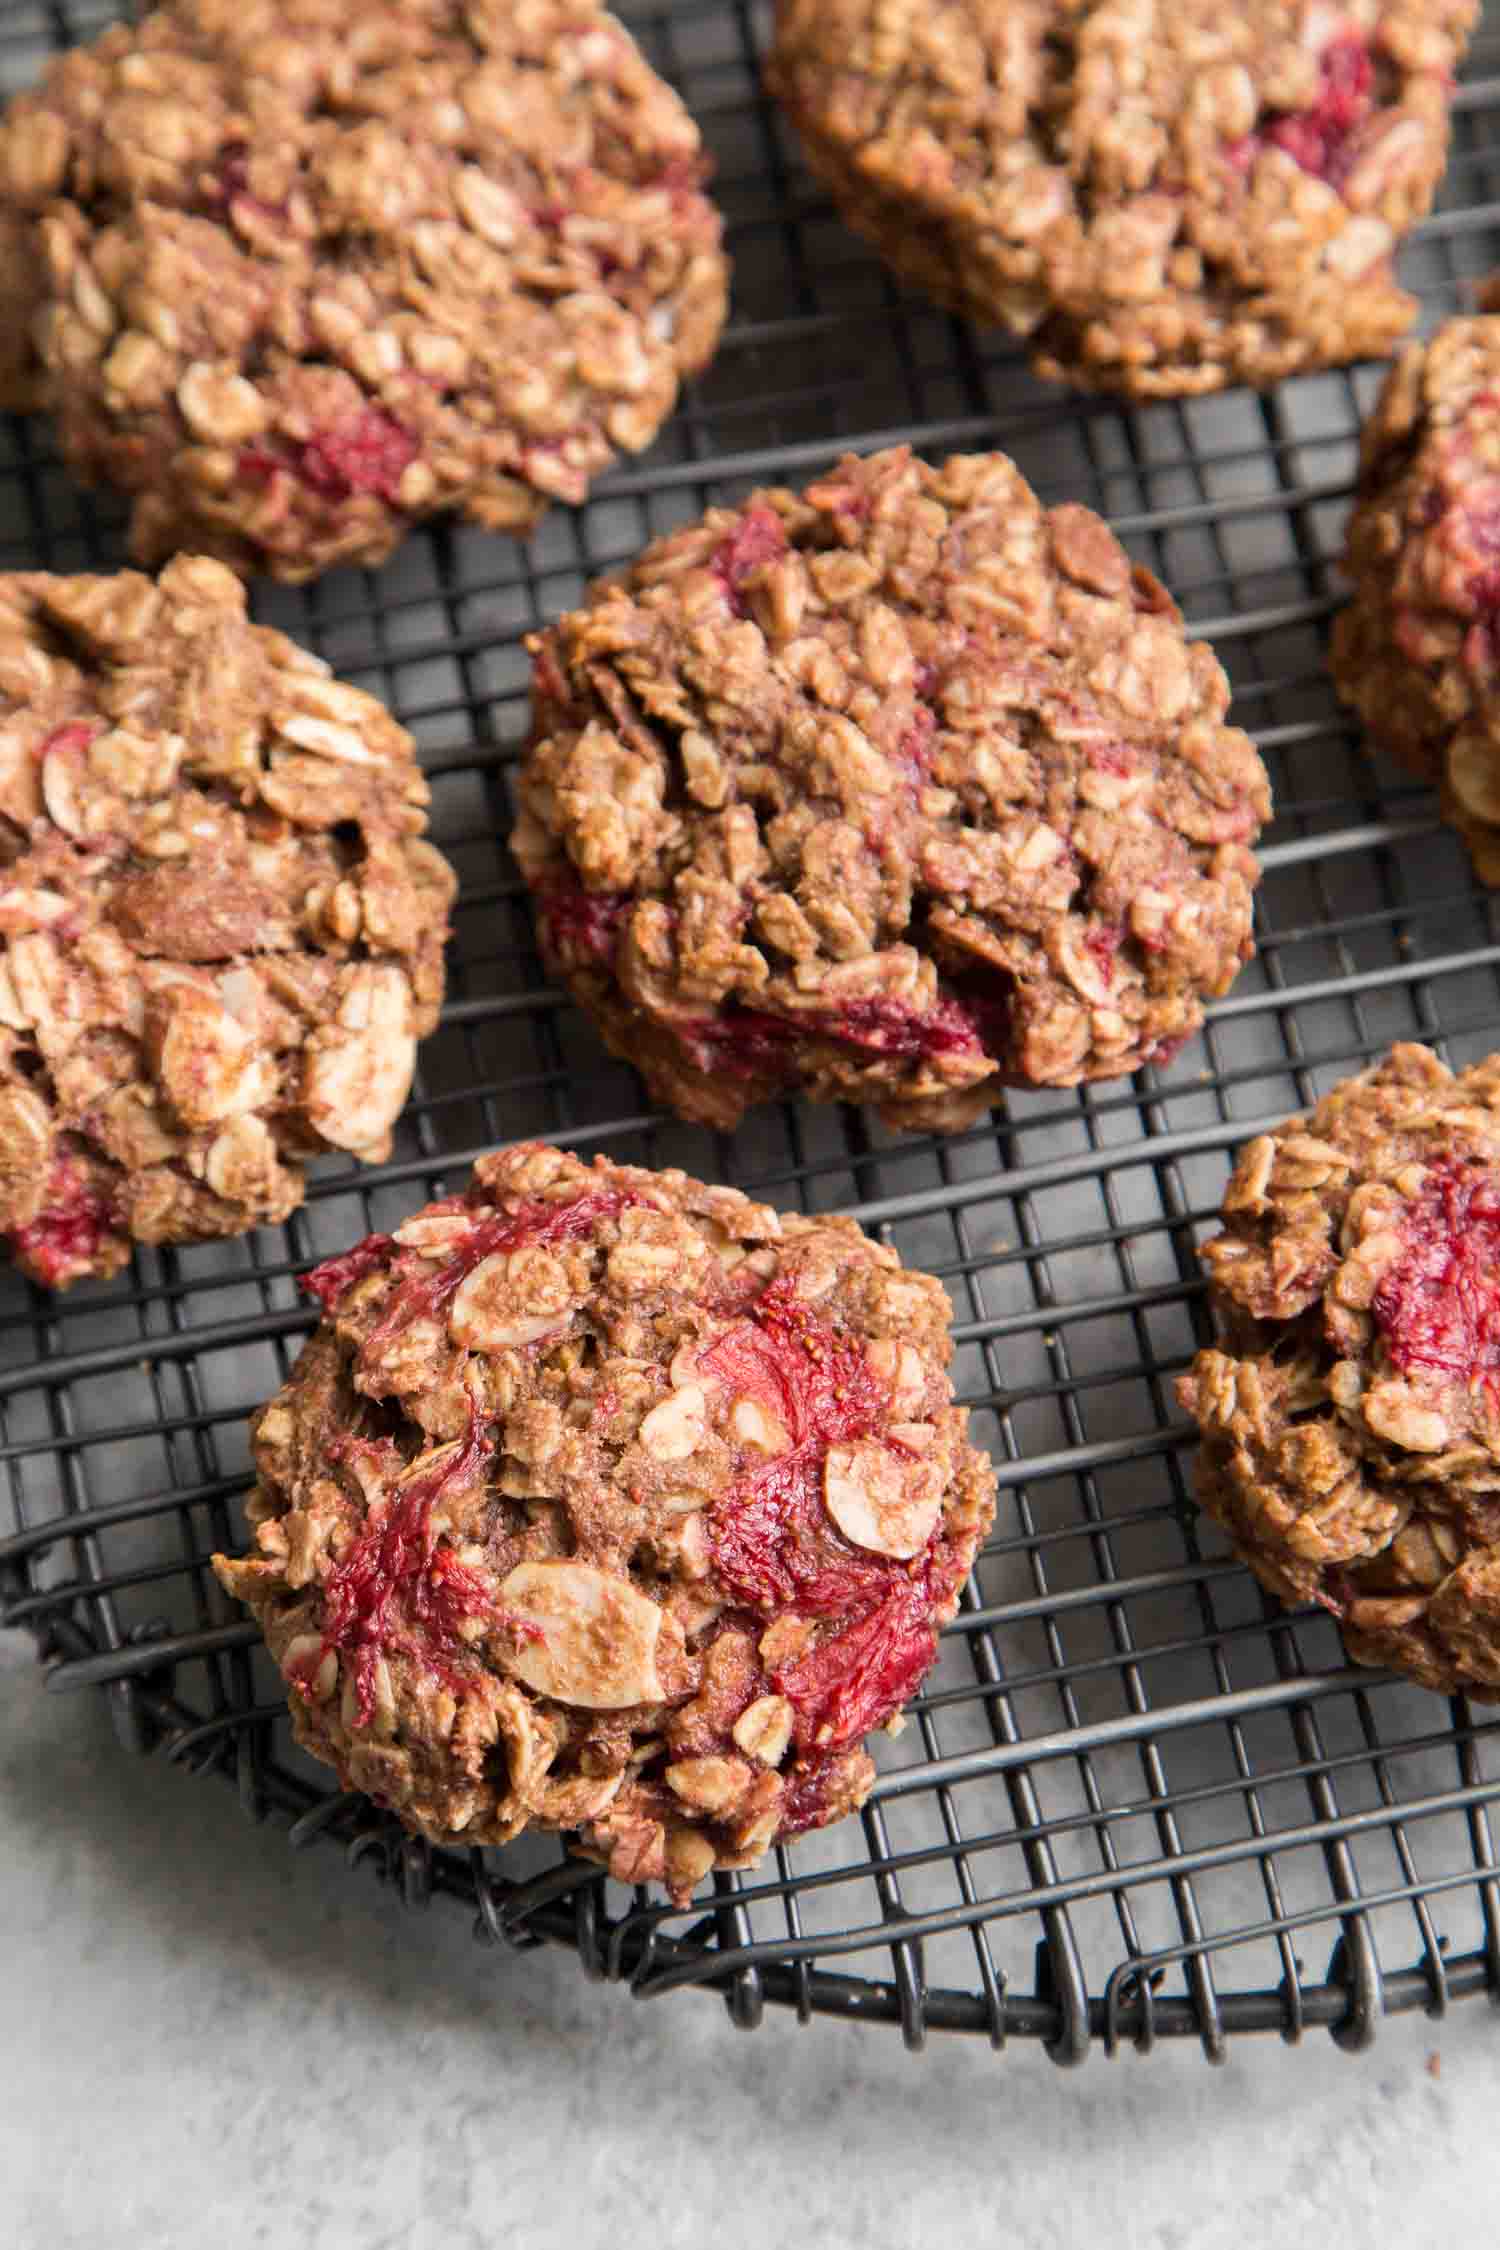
(1164, 199)
(313, 269)
(220, 929)
(607, 1501)
(1417, 653)
(898, 790)
(1351, 1410)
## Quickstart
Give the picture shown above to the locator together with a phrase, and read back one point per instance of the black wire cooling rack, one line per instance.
(1135, 1799)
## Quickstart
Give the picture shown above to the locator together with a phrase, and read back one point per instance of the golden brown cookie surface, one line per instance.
(1351, 1410)
(898, 790)
(1417, 652)
(311, 270)
(612, 1502)
(1164, 199)
(222, 927)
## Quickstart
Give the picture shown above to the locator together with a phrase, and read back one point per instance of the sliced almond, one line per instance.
(899, 1365)
(1252, 1175)
(63, 795)
(359, 1070)
(492, 1312)
(675, 1428)
(754, 1427)
(879, 1503)
(599, 1636)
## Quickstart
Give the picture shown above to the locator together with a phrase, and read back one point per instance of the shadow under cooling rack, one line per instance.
(1134, 1799)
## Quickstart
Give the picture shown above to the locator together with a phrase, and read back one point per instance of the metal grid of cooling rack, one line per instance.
(1134, 1799)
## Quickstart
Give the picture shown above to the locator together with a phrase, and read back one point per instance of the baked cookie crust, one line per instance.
(301, 272)
(221, 929)
(1163, 199)
(1351, 1410)
(1417, 652)
(606, 1501)
(899, 790)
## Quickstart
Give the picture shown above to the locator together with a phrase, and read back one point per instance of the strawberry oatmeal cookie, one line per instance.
(1165, 199)
(1351, 1409)
(221, 932)
(300, 272)
(1417, 653)
(608, 1502)
(899, 790)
